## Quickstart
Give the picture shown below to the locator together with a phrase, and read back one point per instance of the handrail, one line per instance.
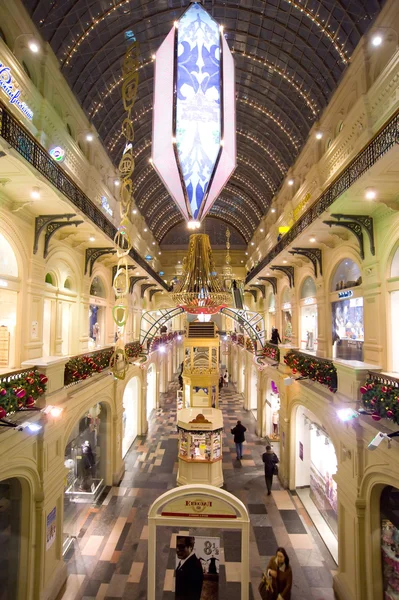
(384, 379)
(383, 140)
(317, 369)
(29, 148)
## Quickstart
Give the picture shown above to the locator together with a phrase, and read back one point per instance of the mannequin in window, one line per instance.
(96, 334)
(88, 462)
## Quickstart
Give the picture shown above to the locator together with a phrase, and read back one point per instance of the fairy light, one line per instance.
(279, 164)
(230, 218)
(238, 209)
(250, 163)
(246, 199)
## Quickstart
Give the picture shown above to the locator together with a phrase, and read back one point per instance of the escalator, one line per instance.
(237, 297)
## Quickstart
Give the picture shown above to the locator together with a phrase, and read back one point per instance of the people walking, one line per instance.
(239, 437)
(270, 459)
(280, 572)
(220, 383)
(226, 379)
(275, 339)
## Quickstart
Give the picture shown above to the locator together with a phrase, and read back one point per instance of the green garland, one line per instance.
(133, 349)
(82, 367)
(382, 401)
(20, 391)
(271, 351)
(322, 371)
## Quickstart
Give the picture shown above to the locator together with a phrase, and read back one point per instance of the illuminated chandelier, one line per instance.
(194, 128)
(199, 290)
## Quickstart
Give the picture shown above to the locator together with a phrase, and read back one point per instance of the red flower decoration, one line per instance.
(2, 413)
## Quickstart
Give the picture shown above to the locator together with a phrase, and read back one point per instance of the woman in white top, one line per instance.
(226, 379)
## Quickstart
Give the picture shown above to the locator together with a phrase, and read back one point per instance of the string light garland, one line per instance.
(119, 361)
(279, 164)
(247, 200)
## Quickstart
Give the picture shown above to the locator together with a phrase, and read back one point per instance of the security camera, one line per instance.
(376, 441)
(288, 380)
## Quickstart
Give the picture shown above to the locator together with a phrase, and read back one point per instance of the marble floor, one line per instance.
(108, 560)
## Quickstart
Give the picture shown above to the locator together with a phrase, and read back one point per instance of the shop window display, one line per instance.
(389, 506)
(323, 488)
(10, 536)
(348, 329)
(272, 413)
(85, 461)
(287, 317)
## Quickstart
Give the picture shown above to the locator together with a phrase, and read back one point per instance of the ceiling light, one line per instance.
(290, 182)
(193, 224)
(134, 211)
(376, 40)
(242, 261)
(153, 57)
(246, 254)
(284, 262)
(262, 230)
(312, 239)
(137, 272)
(145, 229)
(252, 243)
(268, 274)
(92, 238)
(33, 47)
(179, 262)
(319, 135)
(273, 210)
(370, 194)
(35, 193)
(150, 160)
(89, 137)
(159, 252)
(117, 182)
(153, 243)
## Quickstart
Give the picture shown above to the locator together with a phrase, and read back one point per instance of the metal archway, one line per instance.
(156, 319)
(248, 320)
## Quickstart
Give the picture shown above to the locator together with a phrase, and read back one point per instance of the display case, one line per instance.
(200, 446)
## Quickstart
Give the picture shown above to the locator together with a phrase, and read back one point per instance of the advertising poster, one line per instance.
(51, 528)
(197, 567)
(301, 450)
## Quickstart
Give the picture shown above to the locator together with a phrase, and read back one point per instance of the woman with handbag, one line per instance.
(280, 573)
(270, 459)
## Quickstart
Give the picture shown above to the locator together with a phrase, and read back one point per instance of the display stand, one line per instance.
(192, 507)
(200, 446)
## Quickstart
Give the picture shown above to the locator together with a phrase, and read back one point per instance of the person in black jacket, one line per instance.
(189, 574)
(238, 431)
(270, 459)
(275, 339)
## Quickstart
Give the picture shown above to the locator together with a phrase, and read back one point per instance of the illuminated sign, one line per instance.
(310, 301)
(148, 257)
(283, 229)
(345, 294)
(161, 273)
(8, 87)
(57, 153)
(287, 306)
(106, 206)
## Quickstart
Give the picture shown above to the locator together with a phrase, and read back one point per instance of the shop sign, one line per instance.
(310, 301)
(51, 528)
(301, 450)
(106, 206)
(200, 507)
(287, 306)
(57, 153)
(14, 94)
(345, 294)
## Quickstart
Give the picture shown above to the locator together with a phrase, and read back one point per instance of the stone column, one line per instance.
(323, 335)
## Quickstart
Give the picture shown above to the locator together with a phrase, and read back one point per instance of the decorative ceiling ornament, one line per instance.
(194, 121)
(199, 289)
(119, 362)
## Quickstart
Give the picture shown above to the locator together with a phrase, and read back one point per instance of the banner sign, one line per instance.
(14, 94)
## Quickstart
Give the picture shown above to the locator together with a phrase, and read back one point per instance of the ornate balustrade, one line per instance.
(380, 396)
(81, 367)
(20, 390)
(317, 369)
(29, 148)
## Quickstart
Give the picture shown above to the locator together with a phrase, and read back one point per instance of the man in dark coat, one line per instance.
(189, 574)
(270, 459)
(238, 431)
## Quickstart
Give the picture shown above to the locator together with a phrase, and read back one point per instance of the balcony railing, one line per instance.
(20, 390)
(270, 351)
(383, 141)
(29, 148)
(380, 396)
(81, 367)
(316, 369)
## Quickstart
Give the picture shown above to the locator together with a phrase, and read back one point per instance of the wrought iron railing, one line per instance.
(29, 148)
(317, 369)
(383, 141)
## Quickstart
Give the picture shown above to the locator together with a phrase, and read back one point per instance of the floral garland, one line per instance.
(322, 371)
(381, 399)
(22, 392)
(82, 367)
(133, 350)
(271, 351)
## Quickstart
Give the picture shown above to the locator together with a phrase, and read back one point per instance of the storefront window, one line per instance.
(10, 536)
(85, 459)
(287, 316)
(272, 312)
(394, 296)
(348, 328)
(8, 261)
(97, 314)
(130, 414)
(308, 313)
(389, 507)
(347, 275)
(8, 303)
(272, 413)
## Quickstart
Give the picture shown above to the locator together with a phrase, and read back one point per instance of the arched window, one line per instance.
(49, 279)
(68, 283)
(308, 288)
(8, 261)
(286, 295)
(69, 129)
(97, 288)
(395, 264)
(347, 275)
(26, 69)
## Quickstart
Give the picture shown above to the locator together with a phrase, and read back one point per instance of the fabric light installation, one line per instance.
(194, 129)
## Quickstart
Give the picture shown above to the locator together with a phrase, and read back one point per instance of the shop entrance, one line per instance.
(9, 287)
(315, 467)
(272, 413)
(253, 393)
(389, 510)
(130, 414)
(85, 459)
(151, 391)
(10, 536)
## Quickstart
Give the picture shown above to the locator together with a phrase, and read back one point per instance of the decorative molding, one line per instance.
(93, 254)
(272, 281)
(144, 288)
(200, 419)
(52, 228)
(289, 271)
(152, 293)
(354, 227)
(366, 222)
(133, 281)
(253, 293)
(313, 254)
(261, 288)
(40, 223)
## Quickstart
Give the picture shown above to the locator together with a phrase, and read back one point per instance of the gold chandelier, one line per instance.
(199, 290)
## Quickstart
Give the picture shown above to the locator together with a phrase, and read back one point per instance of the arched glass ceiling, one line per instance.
(289, 54)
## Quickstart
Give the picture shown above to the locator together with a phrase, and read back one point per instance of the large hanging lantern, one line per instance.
(194, 129)
(199, 290)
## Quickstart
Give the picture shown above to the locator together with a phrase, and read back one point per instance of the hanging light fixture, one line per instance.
(194, 123)
(199, 289)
